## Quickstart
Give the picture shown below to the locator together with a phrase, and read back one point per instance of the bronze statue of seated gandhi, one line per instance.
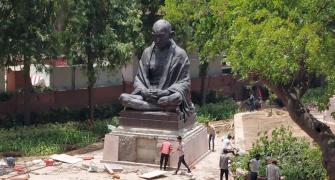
(163, 81)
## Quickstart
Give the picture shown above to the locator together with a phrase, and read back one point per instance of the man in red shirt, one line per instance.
(166, 148)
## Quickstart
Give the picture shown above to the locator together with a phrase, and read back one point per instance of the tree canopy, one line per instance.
(280, 43)
(26, 30)
(100, 34)
(26, 37)
(274, 40)
(150, 14)
(104, 31)
(194, 24)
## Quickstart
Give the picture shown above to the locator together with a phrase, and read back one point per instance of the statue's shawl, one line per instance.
(175, 78)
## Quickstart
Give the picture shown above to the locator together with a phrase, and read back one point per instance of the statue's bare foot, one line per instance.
(164, 101)
(172, 100)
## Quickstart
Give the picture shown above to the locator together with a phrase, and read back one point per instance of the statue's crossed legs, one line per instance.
(137, 102)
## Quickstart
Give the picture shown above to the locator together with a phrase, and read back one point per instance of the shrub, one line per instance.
(216, 111)
(203, 119)
(211, 97)
(297, 158)
(214, 97)
(5, 96)
(51, 138)
(61, 115)
(312, 95)
(41, 89)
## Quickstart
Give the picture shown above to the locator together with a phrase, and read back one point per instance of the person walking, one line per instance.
(272, 171)
(180, 150)
(254, 167)
(211, 135)
(165, 150)
(224, 161)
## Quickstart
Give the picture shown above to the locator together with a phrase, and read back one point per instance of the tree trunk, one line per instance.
(318, 131)
(91, 82)
(26, 91)
(270, 108)
(203, 85)
(90, 106)
(73, 77)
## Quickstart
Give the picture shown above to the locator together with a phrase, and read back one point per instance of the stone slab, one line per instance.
(66, 158)
(144, 147)
(110, 150)
(153, 174)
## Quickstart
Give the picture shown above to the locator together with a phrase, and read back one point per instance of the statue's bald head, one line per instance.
(162, 32)
(162, 25)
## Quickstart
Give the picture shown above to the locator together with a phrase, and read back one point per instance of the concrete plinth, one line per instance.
(155, 120)
(142, 145)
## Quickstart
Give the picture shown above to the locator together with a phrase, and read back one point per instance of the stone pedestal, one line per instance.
(155, 120)
(140, 135)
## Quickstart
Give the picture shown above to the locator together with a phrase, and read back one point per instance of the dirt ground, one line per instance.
(206, 169)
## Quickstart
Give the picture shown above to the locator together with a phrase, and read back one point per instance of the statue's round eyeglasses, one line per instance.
(159, 35)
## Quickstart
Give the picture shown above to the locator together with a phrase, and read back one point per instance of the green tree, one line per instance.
(193, 21)
(150, 14)
(26, 34)
(282, 43)
(101, 34)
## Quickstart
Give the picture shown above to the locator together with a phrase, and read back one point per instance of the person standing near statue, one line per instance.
(211, 135)
(163, 81)
(180, 150)
(166, 148)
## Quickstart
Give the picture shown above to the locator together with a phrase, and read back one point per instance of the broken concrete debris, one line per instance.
(93, 167)
(66, 158)
(153, 174)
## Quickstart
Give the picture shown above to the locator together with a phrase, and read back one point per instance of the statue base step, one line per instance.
(143, 145)
(155, 120)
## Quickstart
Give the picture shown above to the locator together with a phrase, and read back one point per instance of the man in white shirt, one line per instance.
(254, 167)
(272, 171)
(227, 144)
